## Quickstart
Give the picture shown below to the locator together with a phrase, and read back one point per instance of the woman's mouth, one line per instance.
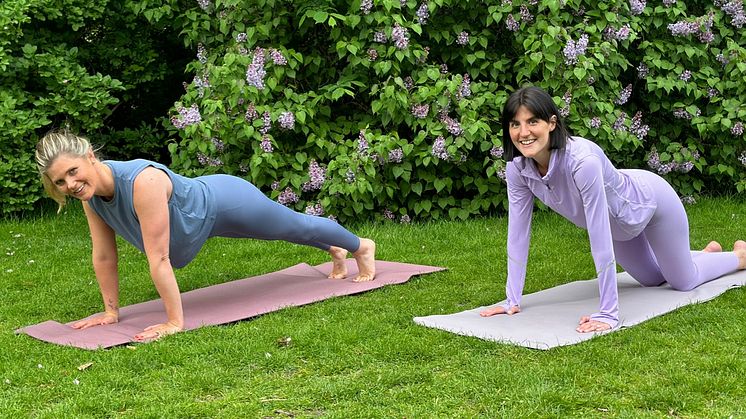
(527, 142)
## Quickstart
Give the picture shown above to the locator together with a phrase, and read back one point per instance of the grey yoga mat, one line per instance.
(549, 317)
(229, 302)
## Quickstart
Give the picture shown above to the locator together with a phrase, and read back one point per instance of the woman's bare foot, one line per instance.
(739, 248)
(365, 256)
(339, 267)
(713, 247)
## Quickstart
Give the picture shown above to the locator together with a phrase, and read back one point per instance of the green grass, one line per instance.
(362, 356)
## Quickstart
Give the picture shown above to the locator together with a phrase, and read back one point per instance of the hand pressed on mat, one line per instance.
(156, 332)
(106, 318)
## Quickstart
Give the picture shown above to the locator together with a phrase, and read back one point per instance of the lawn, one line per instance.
(362, 356)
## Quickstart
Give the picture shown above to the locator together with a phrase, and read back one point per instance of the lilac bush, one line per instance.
(390, 109)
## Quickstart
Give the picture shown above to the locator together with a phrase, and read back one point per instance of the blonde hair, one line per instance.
(52, 145)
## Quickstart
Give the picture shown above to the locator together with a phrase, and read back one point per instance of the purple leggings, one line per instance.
(661, 252)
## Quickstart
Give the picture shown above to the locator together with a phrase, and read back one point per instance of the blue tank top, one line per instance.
(191, 210)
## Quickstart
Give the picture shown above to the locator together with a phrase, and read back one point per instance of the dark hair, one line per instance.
(539, 103)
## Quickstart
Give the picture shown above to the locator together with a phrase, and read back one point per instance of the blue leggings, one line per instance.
(243, 211)
(661, 252)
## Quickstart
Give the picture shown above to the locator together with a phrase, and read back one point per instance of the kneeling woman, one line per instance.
(633, 217)
(169, 217)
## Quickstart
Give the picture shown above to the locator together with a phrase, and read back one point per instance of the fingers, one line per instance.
(584, 319)
(156, 332)
(592, 326)
(499, 310)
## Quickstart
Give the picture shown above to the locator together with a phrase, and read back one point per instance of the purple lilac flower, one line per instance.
(742, 158)
(201, 53)
(464, 89)
(501, 173)
(396, 155)
(619, 123)
(287, 120)
(315, 209)
(737, 129)
(712, 92)
(202, 158)
(596, 122)
(266, 144)
(366, 6)
(287, 197)
(642, 71)
(387, 214)
(463, 38)
(685, 167)
(251, 113)
(187, 116)
(362, 143)
(408, 82)
(400, 35)
(567, 98)
(403, 3)
(511, 23)
(451, 124)
(277, 57)
(243, 168)
(350, 176)
(624, 95)
(654, 161)
(267, 123)
(423, 13)
(636, 7)
(591, 80)
(439, 148)
(574, 50)
(242, 50)
(734, 9)
(219, 145)
(684, 114)
(637, 128)
(241, 37)
(497, 152)
(380, 37)
(444, 68)
(580, 12)
(526, 15)
(617, 34)
(665, 168)
(317, 175)
(255, 72)
(420, 111)
(669, 3)
(203, 4)
(275, 185)
(685, 75)
(405, 219)
(372, 54)
(722, 59)
(683, 28)
(688, 199)
(377, 159)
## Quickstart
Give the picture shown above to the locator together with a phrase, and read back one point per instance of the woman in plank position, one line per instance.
(169, 217)
(633, 217)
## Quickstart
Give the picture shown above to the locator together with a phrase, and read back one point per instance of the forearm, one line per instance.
(167, 287)
(108, 282)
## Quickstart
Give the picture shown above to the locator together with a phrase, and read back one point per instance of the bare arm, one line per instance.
(104, 257)
(152, 189)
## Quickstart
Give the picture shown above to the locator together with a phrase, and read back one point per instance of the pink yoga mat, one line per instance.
(229, 302)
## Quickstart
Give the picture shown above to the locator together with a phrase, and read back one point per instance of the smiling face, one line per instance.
(74, 176)
(530, 136)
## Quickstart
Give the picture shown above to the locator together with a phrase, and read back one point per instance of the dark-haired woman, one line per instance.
(633, 217)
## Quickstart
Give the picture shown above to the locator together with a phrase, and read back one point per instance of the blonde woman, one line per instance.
(169, 217)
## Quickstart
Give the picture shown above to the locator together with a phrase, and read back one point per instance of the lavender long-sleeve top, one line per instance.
(583, 186)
